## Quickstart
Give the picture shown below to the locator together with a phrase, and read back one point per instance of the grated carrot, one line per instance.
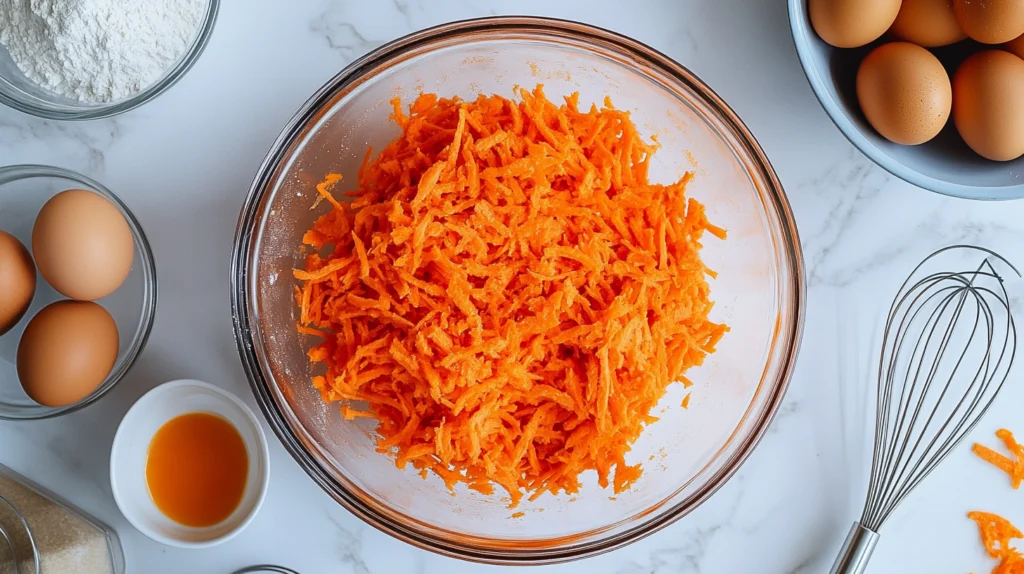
(996, 533)
(507, 294)
(1013, 467)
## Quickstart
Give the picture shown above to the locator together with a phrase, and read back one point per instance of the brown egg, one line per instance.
(17, 281)
(66, 352)
(852, 23)
(927, 23)
(1016, 46)
(904, 92)
(990, 21)
(83, 245)
(988, 104)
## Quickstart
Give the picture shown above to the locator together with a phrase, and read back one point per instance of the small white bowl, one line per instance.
(131, 450)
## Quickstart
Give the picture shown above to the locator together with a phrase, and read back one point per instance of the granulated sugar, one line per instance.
(66, 542)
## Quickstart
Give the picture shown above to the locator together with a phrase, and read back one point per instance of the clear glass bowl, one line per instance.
(23, 191)
(23, 94)
(688, 454)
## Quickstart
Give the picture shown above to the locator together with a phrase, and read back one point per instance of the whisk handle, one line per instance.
(853, 558)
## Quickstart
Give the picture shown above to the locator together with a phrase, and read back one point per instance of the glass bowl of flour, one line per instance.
(88, 59)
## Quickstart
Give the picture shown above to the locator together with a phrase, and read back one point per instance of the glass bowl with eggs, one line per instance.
(77, 291)
(930, 90)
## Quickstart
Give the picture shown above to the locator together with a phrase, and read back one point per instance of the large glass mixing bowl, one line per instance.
(688, 454)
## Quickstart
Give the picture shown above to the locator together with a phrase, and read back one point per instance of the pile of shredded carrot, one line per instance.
(1015, 467)
(996, 533)
(507, 294)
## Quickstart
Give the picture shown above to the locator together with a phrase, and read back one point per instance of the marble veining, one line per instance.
(184, 163)
(76, 142)
(349, 547)
(341, 36)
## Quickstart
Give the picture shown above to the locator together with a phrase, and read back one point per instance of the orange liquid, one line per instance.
(197, 468)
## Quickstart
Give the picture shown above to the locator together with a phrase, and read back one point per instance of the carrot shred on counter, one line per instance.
(996, 533)
(1012, 467)
(507, 294)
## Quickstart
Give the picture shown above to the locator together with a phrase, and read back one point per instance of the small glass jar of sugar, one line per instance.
(42, 534)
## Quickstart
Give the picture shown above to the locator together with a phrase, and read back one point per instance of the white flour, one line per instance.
(98, 50)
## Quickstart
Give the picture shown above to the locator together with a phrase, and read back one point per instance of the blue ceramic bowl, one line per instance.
(944, 165)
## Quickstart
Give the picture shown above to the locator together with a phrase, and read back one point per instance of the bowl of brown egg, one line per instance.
(77, 291)
(930, 90)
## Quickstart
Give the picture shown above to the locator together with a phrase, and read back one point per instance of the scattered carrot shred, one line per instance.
(507, 294)
(996, 533)
(686, 401)
(1012, 467)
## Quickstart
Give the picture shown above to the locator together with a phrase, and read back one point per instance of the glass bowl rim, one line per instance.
(260, 382)
(26, 530)
(12, 173)
(95, 112)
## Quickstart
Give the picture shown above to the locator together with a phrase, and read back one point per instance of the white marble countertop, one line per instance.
(184, 163)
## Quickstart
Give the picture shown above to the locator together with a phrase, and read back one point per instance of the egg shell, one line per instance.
(17, 281)
(852, 23)
(988, 104)
(927, 23)
(1016, 46)
(82, 245)
(66, 352)
(904, 92)
(990, 21)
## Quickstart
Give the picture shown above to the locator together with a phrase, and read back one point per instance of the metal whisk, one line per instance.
(949, 343)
